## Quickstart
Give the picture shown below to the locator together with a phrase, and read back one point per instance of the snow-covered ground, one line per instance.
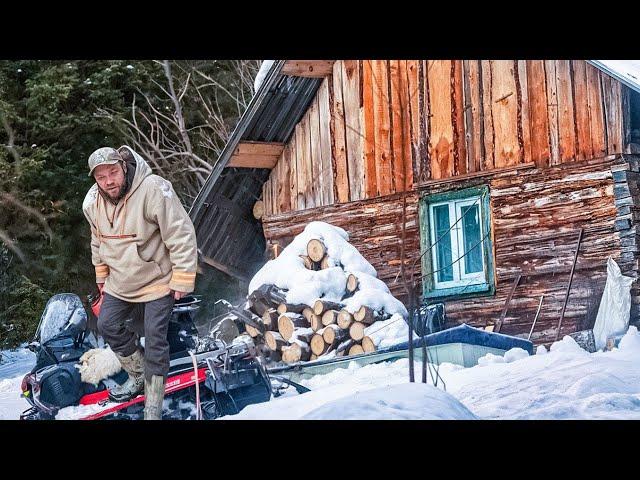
(563, 383)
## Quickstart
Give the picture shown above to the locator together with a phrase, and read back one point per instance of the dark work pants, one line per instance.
(122, 340)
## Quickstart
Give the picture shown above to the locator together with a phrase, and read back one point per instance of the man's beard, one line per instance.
(121, 193)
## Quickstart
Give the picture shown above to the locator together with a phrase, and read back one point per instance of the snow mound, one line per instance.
(515, 354)
(568, 346)
(630, 342)
(408, 401)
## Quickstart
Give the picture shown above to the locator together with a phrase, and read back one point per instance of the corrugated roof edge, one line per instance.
(615, 74)
(235, 137)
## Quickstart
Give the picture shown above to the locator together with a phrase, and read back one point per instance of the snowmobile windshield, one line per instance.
(64, 312)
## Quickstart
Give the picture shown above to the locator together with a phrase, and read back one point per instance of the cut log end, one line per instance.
(356, 350)
(365, 315)
(356, 331)
(274, 340)
(345, 319)
(316, 322)
(368, 345)
(316, 250)
(324, 263)
(258, 209)
(318, 345)
(352, 283)
(329, 317)
(287, 323)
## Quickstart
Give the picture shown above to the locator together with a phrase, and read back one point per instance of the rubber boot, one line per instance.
(153, 397)
(134, 366)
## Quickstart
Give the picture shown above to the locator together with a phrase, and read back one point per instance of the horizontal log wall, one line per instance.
(374, 227)
(536, 215)
(380, 127)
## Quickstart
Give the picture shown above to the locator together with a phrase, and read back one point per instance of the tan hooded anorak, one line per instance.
(144, 246)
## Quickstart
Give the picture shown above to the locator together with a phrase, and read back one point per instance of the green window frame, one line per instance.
(461, 263)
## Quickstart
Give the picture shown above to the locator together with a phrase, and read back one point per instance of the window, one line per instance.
(455, 233)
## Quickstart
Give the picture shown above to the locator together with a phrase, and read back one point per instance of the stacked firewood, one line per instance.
(300, 332)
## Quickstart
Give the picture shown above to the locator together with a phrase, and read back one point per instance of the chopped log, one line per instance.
(291, 308)
(270, 319)
(297, 351)
(253, 332)
(307, 312)
(313, 357)
(368, 345)
(345, 319)
(316, 250)
(302, 334)
(329, 317)
(321, 306)
(258, 209)
(356, 350)
(288, 322)
(316, 322)
(318, 345)
(274, 340)
(352, 283)
(365, 315)
(324, 263)
(308, 263)
(356, 331)
(334, 335)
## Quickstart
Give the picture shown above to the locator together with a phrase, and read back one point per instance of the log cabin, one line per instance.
(514, 179)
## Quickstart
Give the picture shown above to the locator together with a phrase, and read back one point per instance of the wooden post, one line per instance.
(566, 296)
(535, 319)
(506, 304)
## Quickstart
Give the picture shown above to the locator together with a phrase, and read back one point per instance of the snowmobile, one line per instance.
(208, 378)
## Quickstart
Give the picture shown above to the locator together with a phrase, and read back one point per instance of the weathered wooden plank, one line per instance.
(405, 100)
(285, 191)
(384, 177)
(566, 122)
(309, 195)
(314, 143)
(457, 119)
(325, 143)
(613, 114)
(308, 68)
(368, 128)
(441, 146)
(301, 182)
(413, 105)
(504, 109)
(552, 103)
(353, 130)
(472, 114)
(424, 159)
(584, 147)
(538, 113)
(339, 150)
(269, 149)
(252, 161)
(596, 111)
(293, 176)
(487, 115)
(396, 125)
(524, 132)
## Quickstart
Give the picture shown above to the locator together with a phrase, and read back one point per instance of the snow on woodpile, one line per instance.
(322, 297)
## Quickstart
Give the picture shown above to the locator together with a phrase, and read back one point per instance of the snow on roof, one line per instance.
(626, 71)
(264, 68)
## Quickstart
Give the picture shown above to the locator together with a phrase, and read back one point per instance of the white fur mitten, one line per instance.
(98, 364)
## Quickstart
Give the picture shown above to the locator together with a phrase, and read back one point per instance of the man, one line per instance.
(143, 247)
